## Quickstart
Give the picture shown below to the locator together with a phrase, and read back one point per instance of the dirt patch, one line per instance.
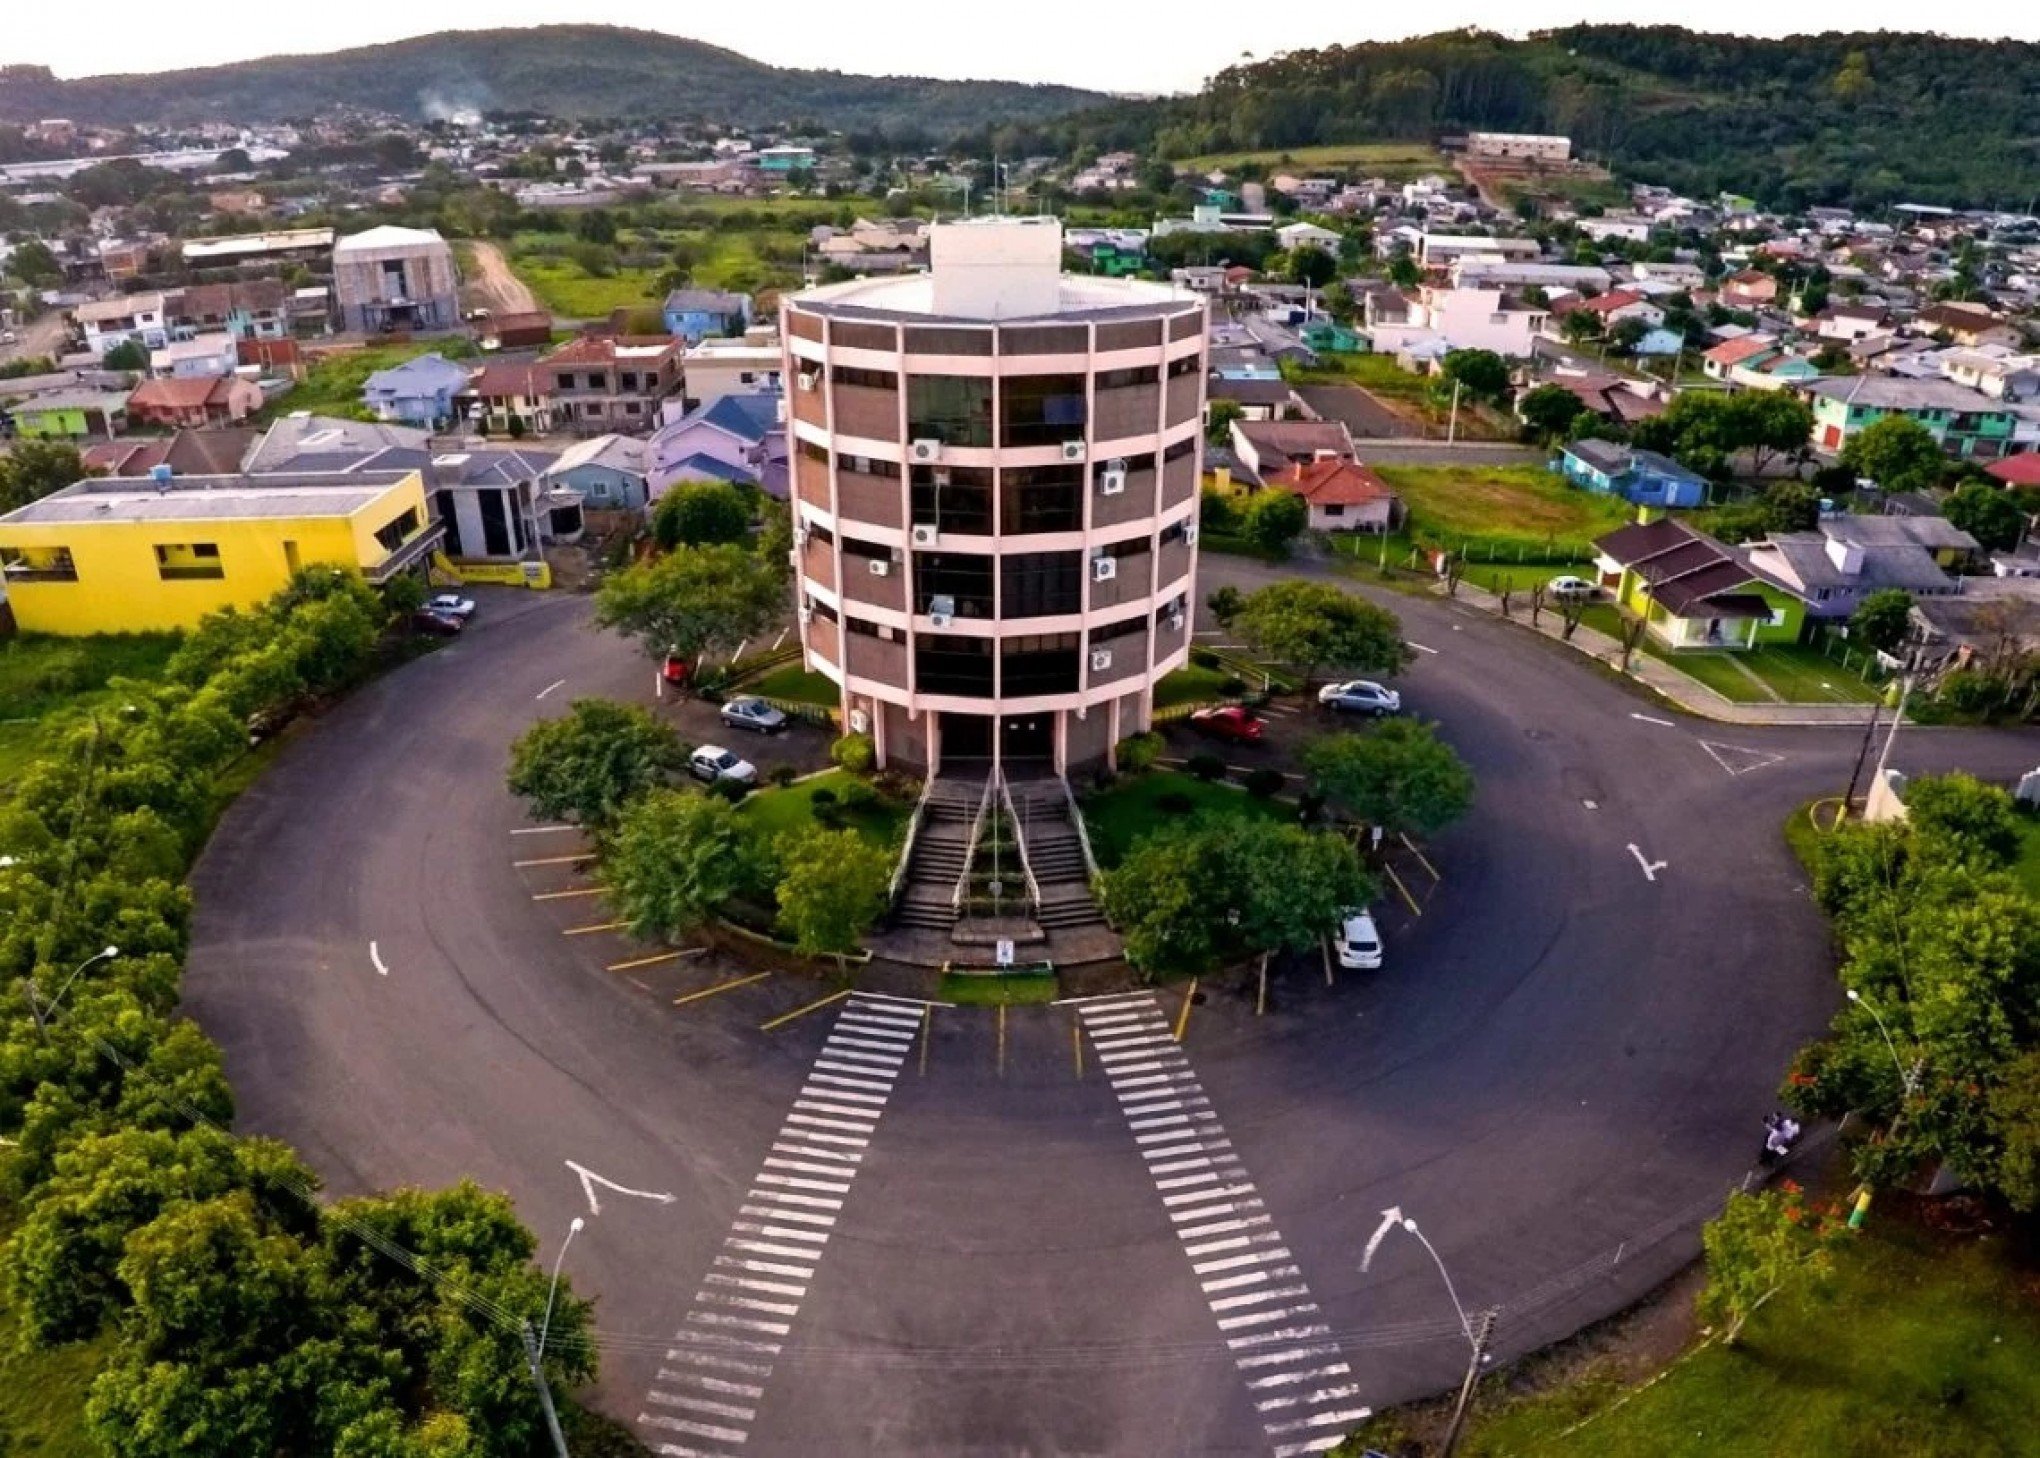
(1365, 414)
(494, 287)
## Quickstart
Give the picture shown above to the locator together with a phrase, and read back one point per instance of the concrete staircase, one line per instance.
(1054, 854)
(941, 852)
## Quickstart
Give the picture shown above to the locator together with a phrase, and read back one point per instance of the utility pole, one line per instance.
(1862, 755)
(552, 1418)
(1483, 1332)
(1452, 427)
(1897, 718)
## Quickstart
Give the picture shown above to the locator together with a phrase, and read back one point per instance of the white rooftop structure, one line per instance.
(389, 235)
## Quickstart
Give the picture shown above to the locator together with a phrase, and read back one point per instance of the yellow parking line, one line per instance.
(1183, 1017)
(563, 895)
(600, 926)
(720, 987)
(927, 1035)
(800, 1012)
(651, 961)
(555, 860)
(1002, 1040)
(1077, 1042)
(1421, 859)
(1414, 908)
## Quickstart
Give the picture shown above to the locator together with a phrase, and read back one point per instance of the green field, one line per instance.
(734, 250)
(1191, 685)
(1794, 674)
(332, 383)
(1502, 508)
(1917, 1350)
(46, 682)
(1385, 159)
(796, 685)
(571, 292)
(1117, 817)
(778, 811)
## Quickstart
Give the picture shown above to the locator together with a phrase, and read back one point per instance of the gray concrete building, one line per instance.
(392, 278)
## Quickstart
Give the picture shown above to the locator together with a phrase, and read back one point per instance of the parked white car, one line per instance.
(710, 763)
(1358, 944)
(1360, 696)
(451, 605)
(1570, 586)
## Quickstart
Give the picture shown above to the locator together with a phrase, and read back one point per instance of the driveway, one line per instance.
(997, 1233)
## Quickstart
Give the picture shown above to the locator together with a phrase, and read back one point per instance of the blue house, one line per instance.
(694, 314)
(418, 392)
(608, 471)
(1644, 477)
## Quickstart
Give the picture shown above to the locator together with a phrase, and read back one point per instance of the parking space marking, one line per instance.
(542, 829)
(720, 987)
(556, 683)
(574, 859)
(800, 1012)
(563, 895)
(1302, 1389)
(1419, 646)
(600, 926)
(715, 1374)
(651, 961)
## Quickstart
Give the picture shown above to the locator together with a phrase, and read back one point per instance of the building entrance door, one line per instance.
(966, 740)
(1027, 737)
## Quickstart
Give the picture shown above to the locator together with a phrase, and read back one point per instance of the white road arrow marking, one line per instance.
(1650, 868)
(376, 957)
(1662, 723)
(1390, 1218)
(590, 1179)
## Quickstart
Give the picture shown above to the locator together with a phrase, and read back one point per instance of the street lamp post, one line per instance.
(42, 1012)
(534, 1343)
(1478, 1331)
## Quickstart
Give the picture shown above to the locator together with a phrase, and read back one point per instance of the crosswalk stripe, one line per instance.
(1307, 1374)
(703, 1404)
(713, 1384)
(699, 1430)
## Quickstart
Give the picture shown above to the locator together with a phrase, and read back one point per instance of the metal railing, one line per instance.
(1019, 837)
(1083, 831)
(970, 845)
(899, 875)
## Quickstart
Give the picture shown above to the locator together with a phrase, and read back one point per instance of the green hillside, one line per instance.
(559, 70)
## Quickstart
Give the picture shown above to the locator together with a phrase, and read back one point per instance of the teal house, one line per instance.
(1329, 336)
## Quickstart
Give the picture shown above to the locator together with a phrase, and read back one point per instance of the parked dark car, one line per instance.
(437, 625)
(1229, 721)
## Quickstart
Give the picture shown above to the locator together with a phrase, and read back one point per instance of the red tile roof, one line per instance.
(176, 394)
(2019, 470)
(1735, 351)
(1609, 302)
(1334, 481)
(589, 350)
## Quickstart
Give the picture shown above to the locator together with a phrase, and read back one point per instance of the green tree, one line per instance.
(1759, 1245)
(35, 468)
(1403, 271)
(129, 355)
(1225, 604)
(1274, 519)
(1987, 512)
(34, 264)
(1219, 418)
(2015, 1128)
(1970, 821)
(1400, 776)
(1311, 266)
(1881, 619)
(1897, 452)
(1481, 373)
(693, 600)
(677, 859)
(1767, 424)
(1791, 506)
(701, 514)
(590, 764)
(1549, 411)
(832, 887)
(1313, 625)
(1193, 896)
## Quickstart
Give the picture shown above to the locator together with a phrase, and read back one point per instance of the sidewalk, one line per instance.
(1660, 677)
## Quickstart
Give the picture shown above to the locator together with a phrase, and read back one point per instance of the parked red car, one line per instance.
(676, 670)
(437, 625)
(1229, 721)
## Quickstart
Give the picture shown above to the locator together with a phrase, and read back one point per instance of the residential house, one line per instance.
(1833, 569)
(118, 555)
(608, 472)
(718, 367)
(1679, 275)
(615, 384)
(1693, 591)
(1992, 626)
(1616, 398)
(514, 397)
(1269, 448)
(697, 314)
(1751, 289)
(1447, 319)
(1966, 324)
(391, 278)
(138, 318)
(499, 503)
(254, 309)
(1967, 424)
(2020, 470)
(1308, 235)
(1995, 371)
(420, 391)
(194, 401)
(1612, 308)
(1848, 322)
(1441, 250)
(1343, 495)
(1717, 363)
(216, 450)
(514, 331)
(1775, 371)
(1627, 226)
(201, 357)
(1257, 399)
(1474, 272)
(738, 438)
(1326, 335)
(1640, 476)
(65, 414)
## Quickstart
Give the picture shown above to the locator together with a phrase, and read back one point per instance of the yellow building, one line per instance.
(128, 556)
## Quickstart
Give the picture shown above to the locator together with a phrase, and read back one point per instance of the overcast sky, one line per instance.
(1168, 47)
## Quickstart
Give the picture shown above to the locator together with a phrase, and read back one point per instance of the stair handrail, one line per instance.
(977, 828)
(1020, 839)
(898, 885)
(1083, 831)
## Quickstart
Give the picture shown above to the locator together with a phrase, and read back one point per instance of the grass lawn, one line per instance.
(1520, 505)
(1017, 989)
(332, 382)
(1384, 158)
(42, 1394)
(777, 811)
(1917, 1350)
(796, 685)
(1117, 817)
(1804, 675)
(1517, 577)
(569, 290)
(45, 680)
(1191, 685)
(1379, 374)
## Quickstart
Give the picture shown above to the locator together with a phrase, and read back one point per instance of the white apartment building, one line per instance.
(1459, 319)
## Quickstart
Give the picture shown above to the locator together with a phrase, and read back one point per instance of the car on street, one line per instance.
(1570, 586)
(753, 714)
(1360, 696)
(711, 763)
(452, 604)
(1358, 944)
(436, 625)
(1229, 721)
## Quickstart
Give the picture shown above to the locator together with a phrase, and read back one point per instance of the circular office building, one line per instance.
(995, 471)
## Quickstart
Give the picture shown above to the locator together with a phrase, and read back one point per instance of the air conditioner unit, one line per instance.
(800, 535)
(926, 534)
(1101, 659)
(1190, 533)
(1112, 483)
(860, 722)
(924, 451)
(940, 620)
(880, 567)
(1073, 450)
(1104, 569)
(806, 615)
(943, 604)
(1117, 463)
(1175, 622)
(805, 381)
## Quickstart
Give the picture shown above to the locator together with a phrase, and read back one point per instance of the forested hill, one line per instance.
(1863, 119)
(561, 70)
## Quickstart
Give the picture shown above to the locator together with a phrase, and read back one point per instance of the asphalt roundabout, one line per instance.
(857, 1224)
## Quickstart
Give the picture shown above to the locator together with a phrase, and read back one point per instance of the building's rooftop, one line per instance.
(206, 498)
(1889, 392)
(199, 250)
(389, 236)
(324, 443)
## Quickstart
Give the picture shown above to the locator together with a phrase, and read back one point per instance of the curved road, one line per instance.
(1563, 1059)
